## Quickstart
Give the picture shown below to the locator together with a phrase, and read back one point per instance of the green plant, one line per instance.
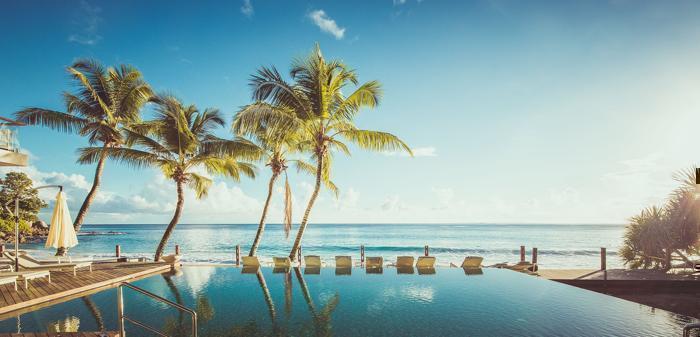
(105, 100)
(179, 140)
(18, 185)
(315, 105)
(659, 235)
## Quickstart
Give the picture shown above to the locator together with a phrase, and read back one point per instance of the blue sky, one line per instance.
(521, 112)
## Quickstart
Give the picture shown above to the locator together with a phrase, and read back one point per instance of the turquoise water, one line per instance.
(447, 303)
(560, 246)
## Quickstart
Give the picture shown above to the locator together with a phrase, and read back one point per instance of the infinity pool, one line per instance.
(450, 302)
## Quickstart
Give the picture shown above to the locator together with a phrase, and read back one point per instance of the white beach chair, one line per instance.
(25, 276)
(404, 261)
(343, 262)
(472, 262)
(374, 262)
(7, 279)
(29, 263)
(425, 262)
(250, 261)
(312, 261)
(281, 262)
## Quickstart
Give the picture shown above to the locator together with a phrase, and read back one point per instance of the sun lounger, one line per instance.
(343, 262)
(425, 262)
(281, 262)
(312, 261)
(251, 261)
(26, 276)
(374, 262)
(426, 271)
(7, 279)
(404, 261)
(29, 263)
(524, 266)
(472, 262)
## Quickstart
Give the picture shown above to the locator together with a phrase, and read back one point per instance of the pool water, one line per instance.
(448, 302)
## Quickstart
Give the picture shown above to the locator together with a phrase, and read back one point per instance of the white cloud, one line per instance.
(88, 22)
(327, 24)
(348, 199)
(247, 8)
(425, 151)
(399, 2)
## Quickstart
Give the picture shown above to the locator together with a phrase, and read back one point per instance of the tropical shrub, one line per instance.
(659, 235)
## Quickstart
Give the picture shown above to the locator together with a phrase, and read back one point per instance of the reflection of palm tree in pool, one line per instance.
(171, 326)
(95, 311)
(321, 318)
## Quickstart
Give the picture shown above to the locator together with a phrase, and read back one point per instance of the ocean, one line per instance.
(559, 246)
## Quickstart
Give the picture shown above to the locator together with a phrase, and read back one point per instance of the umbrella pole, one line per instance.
(17, 234)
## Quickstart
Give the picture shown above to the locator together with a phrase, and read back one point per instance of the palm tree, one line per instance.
(276, 142)
(105, 101)
(323, 115)
(179, 140)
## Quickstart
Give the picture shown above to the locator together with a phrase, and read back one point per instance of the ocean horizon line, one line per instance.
(374, 224)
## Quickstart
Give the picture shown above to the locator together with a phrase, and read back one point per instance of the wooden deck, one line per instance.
(62, 334)
(64, 286)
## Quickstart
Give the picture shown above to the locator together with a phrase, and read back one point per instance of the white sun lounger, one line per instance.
(374, 262)
(472, 262)
(425, 262)
(343, 262)
(281, 262)
(312, 261)
(29, 263)
(251, 261)
(404, 261)
(7, 279)
(25, 276)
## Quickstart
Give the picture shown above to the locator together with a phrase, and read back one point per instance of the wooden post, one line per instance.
(603, 257)
(534, 255)
(177, 249)
(118, 251)
(362, 253)
(299, 254)
(2, 248)
(238, 255)
(426, 250)
(522, 253)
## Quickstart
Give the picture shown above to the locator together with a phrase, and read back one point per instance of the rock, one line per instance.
(40, 225)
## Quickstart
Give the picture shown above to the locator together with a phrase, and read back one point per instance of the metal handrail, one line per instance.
(122, 317)
(690, 327)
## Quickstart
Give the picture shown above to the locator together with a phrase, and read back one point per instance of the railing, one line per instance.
(690, 327)
(123, 318)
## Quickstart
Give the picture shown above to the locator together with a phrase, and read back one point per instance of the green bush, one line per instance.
(8, 227)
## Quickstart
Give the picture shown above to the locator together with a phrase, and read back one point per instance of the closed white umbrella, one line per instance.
(61, 232)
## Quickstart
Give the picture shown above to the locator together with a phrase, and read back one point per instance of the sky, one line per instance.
(517, 111)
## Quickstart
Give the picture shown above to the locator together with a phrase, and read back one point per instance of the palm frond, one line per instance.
(199, 184)
(56, 120)
(130, 157)
(375, 140)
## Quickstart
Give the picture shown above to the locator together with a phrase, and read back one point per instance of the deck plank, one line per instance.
(62, 334)
(65, 285)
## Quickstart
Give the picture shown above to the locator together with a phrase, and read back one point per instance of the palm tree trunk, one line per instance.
(63, 251)
(261, 225)
(305, 219)
(91, 195)
(173, 222)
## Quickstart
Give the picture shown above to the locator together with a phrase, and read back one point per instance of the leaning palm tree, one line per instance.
(323, 115)
(105, 101)
(179, 140)
(277, 141)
